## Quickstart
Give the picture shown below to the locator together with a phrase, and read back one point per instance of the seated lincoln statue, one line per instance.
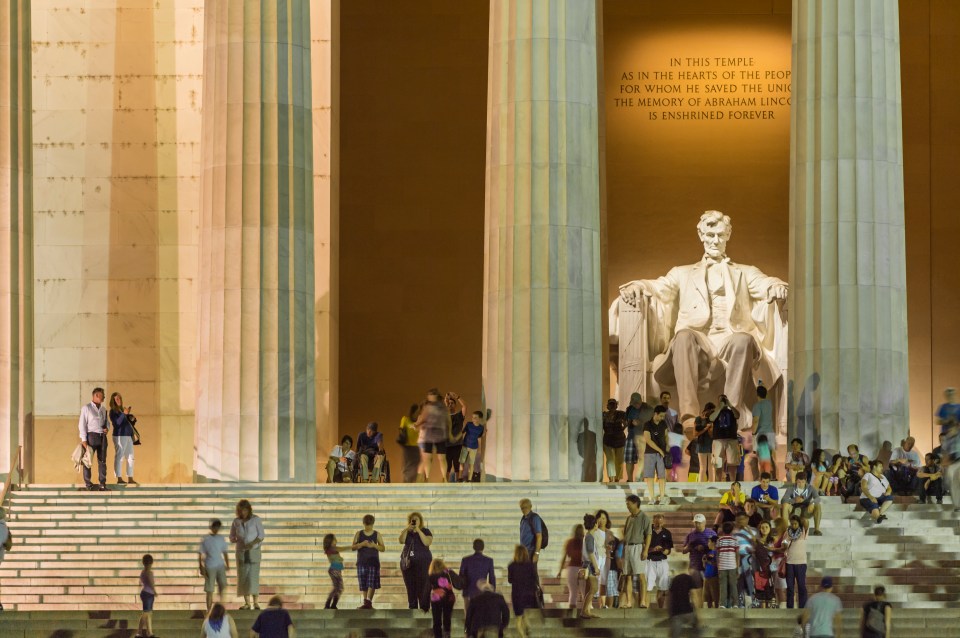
(714, 327)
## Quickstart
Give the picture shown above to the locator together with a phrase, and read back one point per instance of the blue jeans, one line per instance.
(797, 580)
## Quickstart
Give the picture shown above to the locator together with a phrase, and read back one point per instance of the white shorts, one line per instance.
(658, 575)
(632, 563)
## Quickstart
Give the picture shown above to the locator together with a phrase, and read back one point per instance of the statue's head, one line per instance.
(715, 229)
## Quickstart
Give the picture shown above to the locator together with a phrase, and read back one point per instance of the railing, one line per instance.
(16, 465)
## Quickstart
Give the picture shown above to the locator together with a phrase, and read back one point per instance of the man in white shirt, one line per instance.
(904, 463)
(93, 433)
(877, 495)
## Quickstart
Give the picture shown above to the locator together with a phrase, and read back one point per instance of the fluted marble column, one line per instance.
(16, 230)
(848, 323)
(256, 396)
(542, 346)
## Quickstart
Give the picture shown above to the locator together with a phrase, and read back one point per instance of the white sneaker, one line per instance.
(664, 500)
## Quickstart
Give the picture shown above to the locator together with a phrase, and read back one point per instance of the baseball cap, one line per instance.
(826, 581)
(699, 518)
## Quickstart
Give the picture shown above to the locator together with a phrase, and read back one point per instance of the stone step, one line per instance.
(612, 623)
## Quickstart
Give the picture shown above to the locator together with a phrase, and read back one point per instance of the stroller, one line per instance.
(765, 595)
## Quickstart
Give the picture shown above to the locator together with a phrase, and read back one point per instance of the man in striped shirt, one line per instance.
(727, 561)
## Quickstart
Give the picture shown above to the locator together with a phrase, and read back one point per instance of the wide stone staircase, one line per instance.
(75, 560)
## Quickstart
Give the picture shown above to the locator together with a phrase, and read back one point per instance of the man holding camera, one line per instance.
(726, 448)
(93, 435)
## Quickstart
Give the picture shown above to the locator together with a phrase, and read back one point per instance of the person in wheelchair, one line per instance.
(340, 465)
(370, 451)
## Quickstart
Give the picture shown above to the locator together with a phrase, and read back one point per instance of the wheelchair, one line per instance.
(384, 469)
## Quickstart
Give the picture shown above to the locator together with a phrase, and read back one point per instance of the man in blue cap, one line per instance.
(823, 612)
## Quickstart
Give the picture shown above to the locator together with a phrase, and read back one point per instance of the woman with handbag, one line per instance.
(443, 581)
(123, 430)
(415, 561)
(247, 534)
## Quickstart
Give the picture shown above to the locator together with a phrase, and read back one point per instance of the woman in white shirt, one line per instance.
(218, 624)
(247, 534)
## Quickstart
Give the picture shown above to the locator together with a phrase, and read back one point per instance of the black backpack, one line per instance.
(544, 534)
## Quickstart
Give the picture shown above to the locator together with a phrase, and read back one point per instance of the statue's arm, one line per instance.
(664, 288)
(764, 287)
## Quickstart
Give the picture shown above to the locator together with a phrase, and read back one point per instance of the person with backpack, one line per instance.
(876, 615)
(534, 536)
(533, 531)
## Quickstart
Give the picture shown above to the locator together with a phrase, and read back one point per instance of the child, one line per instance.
(764, 456)
(147, 595)
(214, 562)
(693, 472)
(368, 543)
(711, 581)
(613, 576)
(336, 570)
(676, 439)
(727, 561)
(473, 430)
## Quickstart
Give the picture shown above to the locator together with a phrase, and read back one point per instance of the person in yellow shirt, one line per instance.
(408, 439)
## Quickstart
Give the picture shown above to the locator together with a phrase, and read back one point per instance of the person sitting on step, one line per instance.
(803, 501)
(341, 460)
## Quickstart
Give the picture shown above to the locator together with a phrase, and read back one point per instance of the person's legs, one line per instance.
(801, 575)
(591, 588)
(423, 585)
(331, 470)
(364, 467)
(573, 586)
(705, 469)
(791, 584)
(618, 461)
(816, 517)
(117, 458)
(409, 582)
(447, 613)
(411, 463)
(608, 462)
(101, 452)
(437, 610)
(724, 593)
(663, 487)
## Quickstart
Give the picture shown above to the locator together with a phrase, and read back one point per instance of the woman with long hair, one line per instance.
(219, 624)
(522, 575)
(609, 544)
(572, 561)
(415, 561)
(123, 423)
(443, 580)
(247, 535)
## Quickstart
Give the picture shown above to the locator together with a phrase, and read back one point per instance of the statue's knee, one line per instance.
(685, 337)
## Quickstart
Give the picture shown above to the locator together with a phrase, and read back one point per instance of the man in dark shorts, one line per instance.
(683, 613)
(274, 622)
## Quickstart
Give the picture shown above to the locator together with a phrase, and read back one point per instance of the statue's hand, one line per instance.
(777, 292)
(633, 293)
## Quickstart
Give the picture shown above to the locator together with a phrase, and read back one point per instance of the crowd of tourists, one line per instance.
(754, 554)
(440, 431)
